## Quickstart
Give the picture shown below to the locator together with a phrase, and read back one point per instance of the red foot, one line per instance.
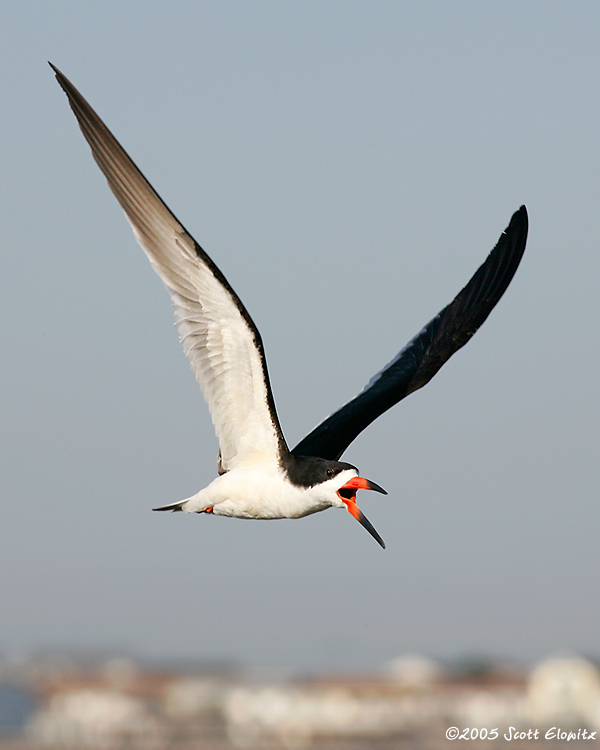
(208, 510)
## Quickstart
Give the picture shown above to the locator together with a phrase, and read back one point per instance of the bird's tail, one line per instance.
(197, 503)
(174, 506)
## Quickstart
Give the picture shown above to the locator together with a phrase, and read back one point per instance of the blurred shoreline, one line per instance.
(100, 703)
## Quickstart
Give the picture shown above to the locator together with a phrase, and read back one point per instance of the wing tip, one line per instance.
(520, 217)
(57, 72)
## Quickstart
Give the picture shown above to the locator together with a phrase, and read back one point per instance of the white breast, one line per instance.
(254, 492)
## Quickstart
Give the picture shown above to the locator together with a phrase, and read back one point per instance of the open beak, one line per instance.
(347, 494)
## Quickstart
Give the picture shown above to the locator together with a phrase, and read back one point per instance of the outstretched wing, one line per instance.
(422, 357)
(220, 340)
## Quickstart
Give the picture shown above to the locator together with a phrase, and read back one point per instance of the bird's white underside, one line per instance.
(259, 492)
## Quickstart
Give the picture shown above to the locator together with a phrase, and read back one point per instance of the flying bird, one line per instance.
(259, 476)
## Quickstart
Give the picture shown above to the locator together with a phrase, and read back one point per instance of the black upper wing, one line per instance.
(422, 357)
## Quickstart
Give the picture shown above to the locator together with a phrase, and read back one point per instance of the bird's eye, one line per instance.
(330, 473)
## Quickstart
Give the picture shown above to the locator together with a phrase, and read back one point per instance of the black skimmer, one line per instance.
(259, 477)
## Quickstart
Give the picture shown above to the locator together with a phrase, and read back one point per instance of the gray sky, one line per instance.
(348, 166)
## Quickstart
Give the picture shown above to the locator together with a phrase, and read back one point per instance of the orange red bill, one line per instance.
(347, 493)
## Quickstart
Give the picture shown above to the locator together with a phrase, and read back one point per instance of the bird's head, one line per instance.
(337, 483)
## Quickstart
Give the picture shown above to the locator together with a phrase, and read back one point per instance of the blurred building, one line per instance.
(98, 719)
(564, 690)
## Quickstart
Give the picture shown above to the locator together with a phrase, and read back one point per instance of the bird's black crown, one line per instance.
(307, 471)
